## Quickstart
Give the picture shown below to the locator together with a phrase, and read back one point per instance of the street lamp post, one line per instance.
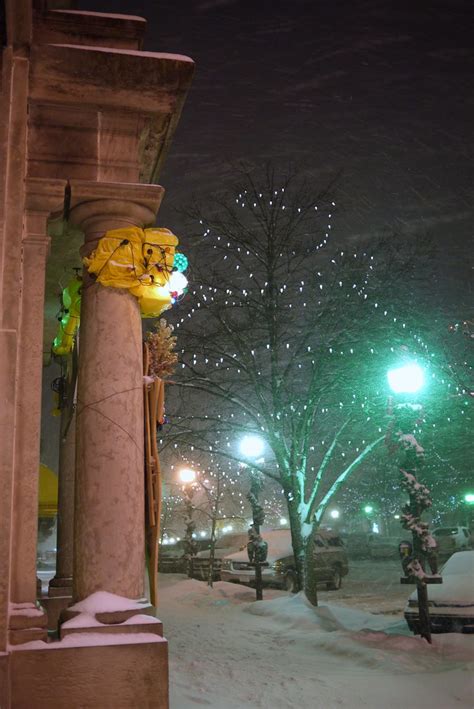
(253, 447)
(408, 380)
(188, 477)
(469, 501)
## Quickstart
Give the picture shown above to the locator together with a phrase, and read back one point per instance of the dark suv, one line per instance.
(172, 557)
(329, 561)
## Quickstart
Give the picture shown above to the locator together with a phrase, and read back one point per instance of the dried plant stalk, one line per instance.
(161, 344)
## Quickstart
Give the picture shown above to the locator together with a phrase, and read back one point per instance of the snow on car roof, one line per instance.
(460, 563)
(457, 589)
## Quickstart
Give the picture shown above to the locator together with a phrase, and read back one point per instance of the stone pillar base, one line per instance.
(54, 605)
(90, 670)
(27, 622)
(106, 613)
(60, 586)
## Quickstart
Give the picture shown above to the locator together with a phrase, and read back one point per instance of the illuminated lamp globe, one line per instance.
(187, 475)
(252, 446)
(177, 283)
(335, 514)
(407, 379)
(469, 498)
(368, 509)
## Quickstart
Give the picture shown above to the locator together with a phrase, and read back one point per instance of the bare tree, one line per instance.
(287, 338)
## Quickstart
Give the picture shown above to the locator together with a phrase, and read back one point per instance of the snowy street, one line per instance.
(228, 652)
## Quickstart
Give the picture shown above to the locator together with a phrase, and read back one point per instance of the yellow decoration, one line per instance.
(140, 260)
(48, 492)
(71, 302)
(117, 261)
(154, 300)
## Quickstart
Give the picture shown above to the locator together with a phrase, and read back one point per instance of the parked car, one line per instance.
(329, 556)
(225, 545)
(451, 539)
(357, 545)
(382, 547)
(172, 559)
(451, 604)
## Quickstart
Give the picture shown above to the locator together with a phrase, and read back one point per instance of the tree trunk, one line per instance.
(297, 542)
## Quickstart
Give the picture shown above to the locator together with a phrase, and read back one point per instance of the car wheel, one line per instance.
(289, 582)
(336, 581)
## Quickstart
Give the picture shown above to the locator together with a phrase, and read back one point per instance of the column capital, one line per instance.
(97, 207)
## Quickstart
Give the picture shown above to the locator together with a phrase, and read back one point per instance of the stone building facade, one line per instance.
(86, 123)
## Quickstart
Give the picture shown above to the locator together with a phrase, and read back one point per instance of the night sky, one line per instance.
(379, 93)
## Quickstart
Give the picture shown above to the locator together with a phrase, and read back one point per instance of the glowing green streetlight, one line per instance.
(469, 498)
(407, 379)
(368, 509)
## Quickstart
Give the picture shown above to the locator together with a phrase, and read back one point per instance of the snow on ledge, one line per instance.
(86, 620)
(90, 639)
(26, 609)
(105, 602)
(182, 58)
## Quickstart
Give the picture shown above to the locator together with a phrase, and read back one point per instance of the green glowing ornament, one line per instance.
(180, 262)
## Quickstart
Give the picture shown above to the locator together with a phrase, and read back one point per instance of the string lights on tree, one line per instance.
(285, 335)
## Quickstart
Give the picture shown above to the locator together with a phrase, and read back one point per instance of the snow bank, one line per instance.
(229, 651)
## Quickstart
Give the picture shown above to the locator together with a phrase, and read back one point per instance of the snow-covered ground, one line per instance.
(229, 652)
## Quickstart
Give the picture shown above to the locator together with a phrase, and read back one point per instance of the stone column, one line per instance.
(23, 586)
(61, 584)
(109, 544)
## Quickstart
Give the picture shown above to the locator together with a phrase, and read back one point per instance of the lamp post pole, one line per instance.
(188, 478)
(404, 418)
(256, 546)
(252, 447)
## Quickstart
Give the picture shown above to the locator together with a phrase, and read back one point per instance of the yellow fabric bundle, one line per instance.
(117, 261)
(140, 260)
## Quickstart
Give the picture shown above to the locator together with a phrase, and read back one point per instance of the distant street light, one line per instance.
(187, 475)
(469, 498)
(252, 446)
(407, 379)
(283, 521)
(368, 509)
(335, 514)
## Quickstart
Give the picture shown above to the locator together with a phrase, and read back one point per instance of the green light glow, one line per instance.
(469, 498)
(368, 509)
(407, 379)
